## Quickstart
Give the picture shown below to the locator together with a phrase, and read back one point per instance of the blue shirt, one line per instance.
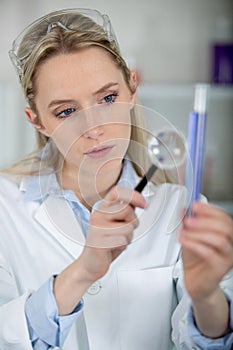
(223, 343)
(46, 327)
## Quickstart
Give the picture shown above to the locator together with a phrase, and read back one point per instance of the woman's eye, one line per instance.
(109, 98)
(66, 113)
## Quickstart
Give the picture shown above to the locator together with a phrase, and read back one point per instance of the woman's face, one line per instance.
(83, 104)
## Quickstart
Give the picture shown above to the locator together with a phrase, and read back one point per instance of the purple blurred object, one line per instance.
(222, 72)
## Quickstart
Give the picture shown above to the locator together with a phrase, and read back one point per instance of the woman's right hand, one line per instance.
(110, 231)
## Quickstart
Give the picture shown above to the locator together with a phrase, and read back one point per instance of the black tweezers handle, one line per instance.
(140, 186)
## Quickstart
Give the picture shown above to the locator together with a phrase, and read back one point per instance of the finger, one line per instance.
(112, 237)
(125, 215)
(121, 212)
(208, 255)
(113, 224)
(204, 224)
(205, 209)
(120, 194)
(125, 233)
(220, 243)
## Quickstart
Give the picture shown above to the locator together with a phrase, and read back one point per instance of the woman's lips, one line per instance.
(98, 152)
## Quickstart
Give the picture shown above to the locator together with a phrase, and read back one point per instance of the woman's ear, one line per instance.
(133, 84)
(34, 119)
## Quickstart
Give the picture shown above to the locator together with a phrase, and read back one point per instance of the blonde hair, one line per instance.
(80, 32)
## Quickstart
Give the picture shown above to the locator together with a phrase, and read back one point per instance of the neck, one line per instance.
(88, 188)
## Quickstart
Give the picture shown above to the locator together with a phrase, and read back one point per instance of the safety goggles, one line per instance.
(47, 23)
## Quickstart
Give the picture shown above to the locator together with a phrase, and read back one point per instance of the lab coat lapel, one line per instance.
(56, 216)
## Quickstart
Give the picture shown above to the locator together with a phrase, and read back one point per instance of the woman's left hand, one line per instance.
(207, 249)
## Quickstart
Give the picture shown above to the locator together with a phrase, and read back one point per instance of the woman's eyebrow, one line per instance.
(105, 87)
(57, 102)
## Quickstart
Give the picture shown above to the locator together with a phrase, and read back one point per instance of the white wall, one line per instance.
(169, 40)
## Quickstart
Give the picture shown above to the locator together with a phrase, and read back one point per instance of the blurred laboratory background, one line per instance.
(173, 45)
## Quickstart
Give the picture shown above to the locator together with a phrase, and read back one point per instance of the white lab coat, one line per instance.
(130, 308)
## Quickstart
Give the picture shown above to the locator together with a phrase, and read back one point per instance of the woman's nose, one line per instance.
(94, 132)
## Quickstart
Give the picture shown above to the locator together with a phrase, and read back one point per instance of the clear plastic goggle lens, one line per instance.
(47, 22)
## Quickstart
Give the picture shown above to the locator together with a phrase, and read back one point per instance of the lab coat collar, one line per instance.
(53, 212)
(57, 217)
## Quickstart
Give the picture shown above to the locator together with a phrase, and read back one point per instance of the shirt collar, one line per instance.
(38, 187)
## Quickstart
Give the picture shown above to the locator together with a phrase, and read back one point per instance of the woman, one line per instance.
(87, 262)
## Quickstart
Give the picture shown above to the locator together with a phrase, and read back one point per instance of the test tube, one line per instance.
(196, 139)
